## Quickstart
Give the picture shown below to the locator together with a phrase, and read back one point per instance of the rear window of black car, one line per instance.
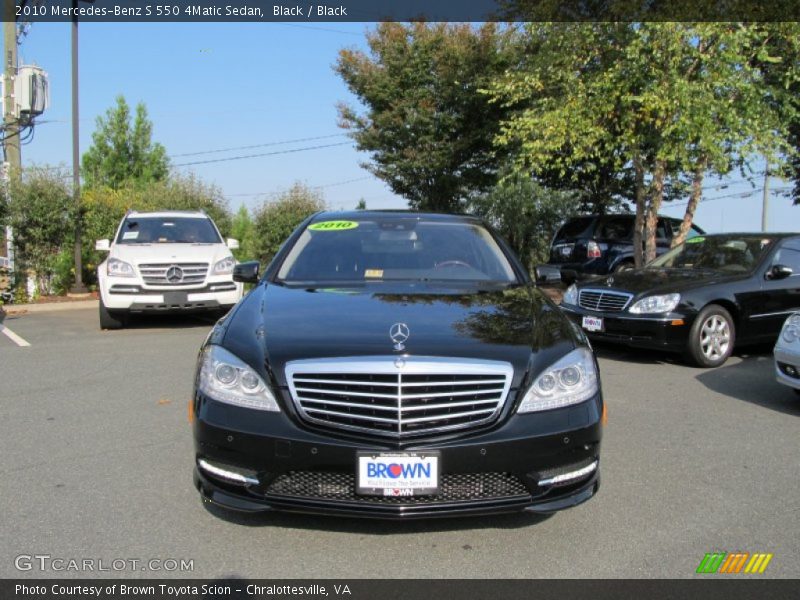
(719, 253)
(574, 227)
(615, 228)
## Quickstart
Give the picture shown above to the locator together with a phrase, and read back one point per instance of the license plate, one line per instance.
(176, 298)
(397, 474)
(592, 323)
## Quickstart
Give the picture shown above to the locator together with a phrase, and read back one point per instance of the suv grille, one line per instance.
(174, 273)
(397, 396)
(604, 301)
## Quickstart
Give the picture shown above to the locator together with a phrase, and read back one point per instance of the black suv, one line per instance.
(596, 245)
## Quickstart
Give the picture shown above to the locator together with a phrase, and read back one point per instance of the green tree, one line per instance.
(243, 229)
(122, 151)
(362, 204)
(275, 221)
(428, 129)
(41, 212)
(670, 101)
(526, 215)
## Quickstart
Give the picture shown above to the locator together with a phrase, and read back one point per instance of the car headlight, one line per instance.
(225, 266)
(572, 379)
(791, 328)
(571, 295)
(119, 268)
(656, 304)
(227, 378)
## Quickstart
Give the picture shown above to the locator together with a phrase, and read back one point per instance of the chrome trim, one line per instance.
(604, 292)
(566, 478)
(626, 317)
(390, 404)
(775, 314)
(156, 273)
(225, 474)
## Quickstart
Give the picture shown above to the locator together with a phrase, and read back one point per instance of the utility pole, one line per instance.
(765, 198)
(10, 120)
(78, 288)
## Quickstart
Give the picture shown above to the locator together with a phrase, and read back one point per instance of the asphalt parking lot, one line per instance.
(96, 457)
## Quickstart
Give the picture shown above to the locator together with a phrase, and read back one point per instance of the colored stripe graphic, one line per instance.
(734, 562)
(758, 564)
(723, 562)
(711, 562)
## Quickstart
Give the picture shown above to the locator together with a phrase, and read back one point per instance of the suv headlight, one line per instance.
(227, 378)
(791, 329)
(225, 266)
(572, 379)
(656, 304)
(119, 268)
(571, 295)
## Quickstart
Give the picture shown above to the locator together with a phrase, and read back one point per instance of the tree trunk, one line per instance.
(654, 204)
(694, 200)
(641, 201)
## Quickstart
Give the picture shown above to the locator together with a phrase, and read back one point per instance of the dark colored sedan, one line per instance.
(396, 364)
(701, 298)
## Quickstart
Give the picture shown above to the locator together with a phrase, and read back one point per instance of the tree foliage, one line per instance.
(122, 151)
(276, 220)
(667, 100)
(526, 215)
(41, 211)
(243, 229)
(428, 129)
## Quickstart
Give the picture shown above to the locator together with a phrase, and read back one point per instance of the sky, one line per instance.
(212, 86)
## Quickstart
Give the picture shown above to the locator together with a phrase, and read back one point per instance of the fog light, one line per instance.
(226, 473)
(569, 476)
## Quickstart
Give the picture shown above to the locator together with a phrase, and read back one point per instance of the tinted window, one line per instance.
(574, 227)
(724, 253)
(615, 228)
(167, 230)
(395, 249)
(789, 255)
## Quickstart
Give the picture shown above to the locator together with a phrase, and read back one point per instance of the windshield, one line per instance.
(725, 253)
(395, 249)
(168, 230)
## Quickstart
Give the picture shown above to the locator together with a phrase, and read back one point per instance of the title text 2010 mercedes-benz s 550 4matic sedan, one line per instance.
(396, 364)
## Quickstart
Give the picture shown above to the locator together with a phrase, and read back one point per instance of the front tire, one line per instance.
(712, 337)
(109, 320)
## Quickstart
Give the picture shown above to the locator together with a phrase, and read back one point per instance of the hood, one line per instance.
(278, 324)
(138, 254)
(661, 281)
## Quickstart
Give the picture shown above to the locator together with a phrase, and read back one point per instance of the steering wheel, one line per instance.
(452, 263)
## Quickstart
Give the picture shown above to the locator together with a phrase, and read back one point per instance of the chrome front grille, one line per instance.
(166, 273)
(399, 397)
(603, 300)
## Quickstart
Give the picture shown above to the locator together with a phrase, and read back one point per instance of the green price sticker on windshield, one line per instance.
(695, 240)
(333, 226)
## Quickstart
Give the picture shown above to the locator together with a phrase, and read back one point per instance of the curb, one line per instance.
(50, 306)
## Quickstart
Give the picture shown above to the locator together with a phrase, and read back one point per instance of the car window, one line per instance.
(167, 230)
(720, 253)
(788, 255)
(615, 228)
(661, 229)
(392, 249)
(574, 227)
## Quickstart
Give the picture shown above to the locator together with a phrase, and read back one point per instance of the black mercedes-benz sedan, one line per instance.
(701, 298)
(396, 365)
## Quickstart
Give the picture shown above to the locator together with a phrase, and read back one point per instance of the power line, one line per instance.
(307, 139)
(745, 194)
(244, 156)
(316, 187)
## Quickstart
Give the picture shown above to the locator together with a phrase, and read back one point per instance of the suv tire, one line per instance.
(109, 320)
(712, 337)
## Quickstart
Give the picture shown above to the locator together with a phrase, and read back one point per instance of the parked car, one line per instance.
(787, 353)
(171, 261)
(701, 298)
(596, 245)
(398, 365)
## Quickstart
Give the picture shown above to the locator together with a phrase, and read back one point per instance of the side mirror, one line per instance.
(569, 276)
(546, 274)
(102, 245)
(247, 272)
(232, 244)
(779, 272)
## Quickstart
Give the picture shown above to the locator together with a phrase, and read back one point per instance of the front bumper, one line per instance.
(787, 365)
(293, 468)
(135, 298)
(653, 332)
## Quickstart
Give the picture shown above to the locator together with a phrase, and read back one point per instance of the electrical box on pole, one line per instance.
(32, 92)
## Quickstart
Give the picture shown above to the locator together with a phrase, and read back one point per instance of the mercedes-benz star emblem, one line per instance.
(174, 274)
(399, 333)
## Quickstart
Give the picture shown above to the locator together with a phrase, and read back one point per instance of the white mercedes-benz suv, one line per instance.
(165, 261)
